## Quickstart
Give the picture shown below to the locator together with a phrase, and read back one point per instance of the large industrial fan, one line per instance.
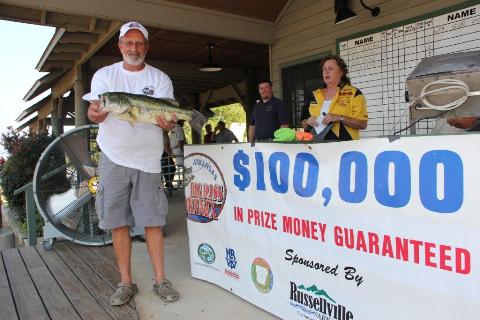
(64, 186)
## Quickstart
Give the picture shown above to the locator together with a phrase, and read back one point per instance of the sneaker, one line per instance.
(165, 292)
(123, 294)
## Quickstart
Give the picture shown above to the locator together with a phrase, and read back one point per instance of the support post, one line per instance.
(54, 120)
(30, 208)
(80, 105)
(60, 115)
(31, 223)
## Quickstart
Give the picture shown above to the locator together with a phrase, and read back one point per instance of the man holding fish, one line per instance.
(133, 102)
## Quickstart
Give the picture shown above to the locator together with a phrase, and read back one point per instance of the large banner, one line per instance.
(369, 229)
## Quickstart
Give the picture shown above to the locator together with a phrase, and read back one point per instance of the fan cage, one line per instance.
(64, 186)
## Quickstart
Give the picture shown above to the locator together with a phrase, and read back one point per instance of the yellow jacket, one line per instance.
(349, 102)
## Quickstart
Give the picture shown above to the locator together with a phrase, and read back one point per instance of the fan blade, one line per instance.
(76, 148)
(74, 203)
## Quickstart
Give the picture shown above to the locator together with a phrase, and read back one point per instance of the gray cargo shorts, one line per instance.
(129, 197)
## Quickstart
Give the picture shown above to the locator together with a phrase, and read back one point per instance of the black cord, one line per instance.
(415, 122)
(375, 10)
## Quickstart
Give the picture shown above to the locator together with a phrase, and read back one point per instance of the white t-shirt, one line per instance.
(139, 146)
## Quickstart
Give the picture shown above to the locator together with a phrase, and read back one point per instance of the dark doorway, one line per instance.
(298, 83)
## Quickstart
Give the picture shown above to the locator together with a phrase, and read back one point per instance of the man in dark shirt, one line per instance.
(222, 134)
(268, 115)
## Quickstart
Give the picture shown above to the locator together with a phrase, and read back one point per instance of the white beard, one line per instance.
(134, 60)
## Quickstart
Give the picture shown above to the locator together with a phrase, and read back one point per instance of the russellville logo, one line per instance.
(311, 299)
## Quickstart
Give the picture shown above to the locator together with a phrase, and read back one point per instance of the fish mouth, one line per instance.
(103, 103)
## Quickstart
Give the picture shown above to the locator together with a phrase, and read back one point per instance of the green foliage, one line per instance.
(38, 221)
(229, 113)
(23, 153)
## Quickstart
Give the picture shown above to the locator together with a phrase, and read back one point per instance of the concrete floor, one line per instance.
(198, 299)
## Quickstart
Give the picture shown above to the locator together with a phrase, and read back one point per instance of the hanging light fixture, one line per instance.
(210, 66)
(344, 13)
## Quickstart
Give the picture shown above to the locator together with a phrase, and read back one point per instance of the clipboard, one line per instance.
(320, 137)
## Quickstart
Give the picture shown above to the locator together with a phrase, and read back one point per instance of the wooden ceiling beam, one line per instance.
(64, 56)
(67, 81)
(45, 111)
(232, 5)
(155, 34)
(164, 15)
(43, 17)
(19, 14)
(50, 65)
(248, 57)
(85, 38)
(101, 26)
(70, 47)
(93, 23)
(205, 49)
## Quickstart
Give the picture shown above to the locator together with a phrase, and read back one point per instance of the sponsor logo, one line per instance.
(314, 303)
(262, 275)
(149, 90)
(205, 192)
(206, 253)
(231, 263)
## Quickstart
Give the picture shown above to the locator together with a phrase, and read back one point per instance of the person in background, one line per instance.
(168, 165)
(268, 114)
(467, 123)
(130, 191)
(222, 134)
(207, 138)
(337, 102)
(177, 141)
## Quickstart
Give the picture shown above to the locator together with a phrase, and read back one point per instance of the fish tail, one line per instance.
(198, 120)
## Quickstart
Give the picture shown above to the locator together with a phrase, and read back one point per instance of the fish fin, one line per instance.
(172, 101)
(198, 120)
(133, 115)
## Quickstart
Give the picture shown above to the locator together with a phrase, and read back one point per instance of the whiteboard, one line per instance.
(379, 62)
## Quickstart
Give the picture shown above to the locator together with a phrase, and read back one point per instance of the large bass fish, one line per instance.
(140, 108)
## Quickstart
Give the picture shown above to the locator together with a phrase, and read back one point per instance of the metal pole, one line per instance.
(31, 223)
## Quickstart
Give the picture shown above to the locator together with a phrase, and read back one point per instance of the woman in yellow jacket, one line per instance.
(338, 102)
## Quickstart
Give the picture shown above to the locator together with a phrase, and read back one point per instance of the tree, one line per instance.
(231, 113)
(17, 170)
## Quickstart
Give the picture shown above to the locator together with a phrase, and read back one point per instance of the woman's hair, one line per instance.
(342, 65)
